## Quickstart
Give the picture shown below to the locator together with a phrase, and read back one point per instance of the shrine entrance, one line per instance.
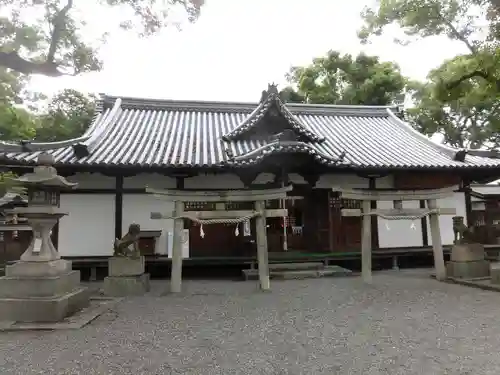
(366, 196)
(221, 214)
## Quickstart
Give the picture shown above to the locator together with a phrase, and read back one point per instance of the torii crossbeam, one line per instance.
(398, 213)
(220, 215)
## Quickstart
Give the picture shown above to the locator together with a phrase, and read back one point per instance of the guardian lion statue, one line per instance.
(128, 246)
(462, 234)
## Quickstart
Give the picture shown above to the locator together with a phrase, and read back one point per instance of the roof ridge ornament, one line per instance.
(271, 103)
(272, 89)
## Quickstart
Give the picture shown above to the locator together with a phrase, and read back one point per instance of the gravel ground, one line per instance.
(404, 324)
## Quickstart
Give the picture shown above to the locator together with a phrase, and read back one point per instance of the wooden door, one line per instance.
(219, 240)
(345, 232)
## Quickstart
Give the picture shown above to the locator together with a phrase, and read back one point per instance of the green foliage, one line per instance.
(8, 184)
(68, 116)
(48, 36)
(466, 121)
(462, 97)
(342, 79)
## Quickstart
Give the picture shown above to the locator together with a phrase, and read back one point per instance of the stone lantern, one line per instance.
(41, 287)
(44, 187)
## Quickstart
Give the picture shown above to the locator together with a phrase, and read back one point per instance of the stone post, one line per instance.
(176, 271)
(126, 277)
(262, 254)
(366, 244)
(437, 245)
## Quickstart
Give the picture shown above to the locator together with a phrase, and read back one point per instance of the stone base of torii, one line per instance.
(220, 215)
(399, 213)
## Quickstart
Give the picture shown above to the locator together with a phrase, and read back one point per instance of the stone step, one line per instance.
(326, 271)
(296, 266)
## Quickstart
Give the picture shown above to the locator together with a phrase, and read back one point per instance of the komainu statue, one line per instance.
(128, 246)
(462, 234)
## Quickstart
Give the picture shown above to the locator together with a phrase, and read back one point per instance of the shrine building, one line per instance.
(133, 143)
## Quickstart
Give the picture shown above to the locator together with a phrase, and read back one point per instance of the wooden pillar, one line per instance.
(366, 244)
(118, 206)
(437, 245)
(372, 184)
(468, 206)
(423, 222)
(179, 182)
(330, 202)
(262, 255)
(176, 271)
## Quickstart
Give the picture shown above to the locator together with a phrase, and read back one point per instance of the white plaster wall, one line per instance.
(137, 209)
(399, 233)
(88, 230)
(214, 181)
(92, 181)
(153, 180)
(486, 189)
(456, 201)
(478, 206)
(328, 181)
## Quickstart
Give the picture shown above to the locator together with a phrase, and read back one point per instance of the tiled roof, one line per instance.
(161, 133)
(264, 106)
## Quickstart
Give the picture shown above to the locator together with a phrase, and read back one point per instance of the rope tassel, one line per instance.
(236, 221)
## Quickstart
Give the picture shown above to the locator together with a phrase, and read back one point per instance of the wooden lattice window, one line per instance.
(291, 221)
(335, 202)
(273, 204)
(199, 206)
(239, 206)
(351, 203)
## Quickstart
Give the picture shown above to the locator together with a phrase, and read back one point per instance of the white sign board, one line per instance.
(185, 243)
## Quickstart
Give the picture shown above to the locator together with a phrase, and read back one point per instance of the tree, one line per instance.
(460, 20)
(468, 121)
(342, 79)
(15, 123)
(462, 96)
(68, 116)
(55, 44)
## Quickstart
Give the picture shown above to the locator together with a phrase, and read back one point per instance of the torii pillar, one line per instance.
(259, 197)
(399, 213)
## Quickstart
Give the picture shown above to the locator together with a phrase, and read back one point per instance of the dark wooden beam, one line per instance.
(310, 176)
(372, 184)
(179, 182)
(423, 222)
(247, 176)
(468, 203)
(118, 206)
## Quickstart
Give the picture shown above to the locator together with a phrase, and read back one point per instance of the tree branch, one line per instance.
(13, 61)
(476, 73)
(457, 34)
(49, 67)
(58, 24)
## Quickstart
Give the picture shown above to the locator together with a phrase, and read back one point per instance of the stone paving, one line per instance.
(406, 323)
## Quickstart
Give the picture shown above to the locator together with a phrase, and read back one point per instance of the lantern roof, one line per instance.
(44, 174)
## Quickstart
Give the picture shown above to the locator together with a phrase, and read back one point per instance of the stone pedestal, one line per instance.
(495, 273)
(41, 292)
(467, 262)
(126, 277)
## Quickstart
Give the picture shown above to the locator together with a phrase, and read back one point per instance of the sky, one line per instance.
(236, 48)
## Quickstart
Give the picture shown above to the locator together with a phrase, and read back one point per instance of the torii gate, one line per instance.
(220, 215)
(398, 213)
